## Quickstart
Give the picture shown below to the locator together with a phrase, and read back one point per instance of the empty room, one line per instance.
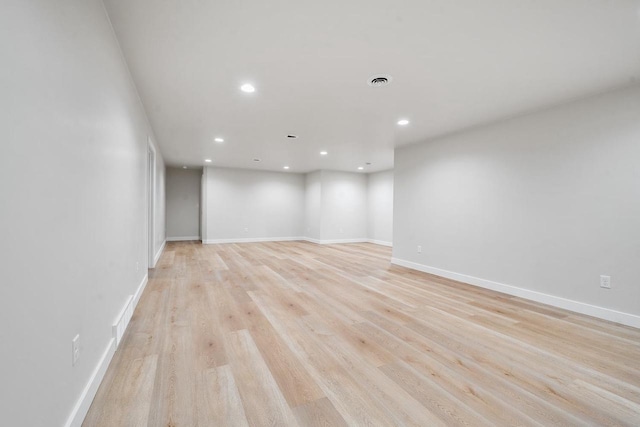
(339, 213)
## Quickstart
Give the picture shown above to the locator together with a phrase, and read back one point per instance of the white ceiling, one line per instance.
(455, 64)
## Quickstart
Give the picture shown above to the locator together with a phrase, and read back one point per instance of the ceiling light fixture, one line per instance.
(286, 167)
(323, 153)
(207, 160)
(403, 122)
(256, 160)
(360, 168)
(184, 167)
(248, 88)
(218, 139)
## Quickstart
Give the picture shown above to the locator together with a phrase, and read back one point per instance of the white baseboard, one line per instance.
(567, 304)
(157, 256)
(380, 242)
(289, 239)
(312, 240)
(334, 241)
(89, 392)
(140, 290)
(252, 240)
(182, 238)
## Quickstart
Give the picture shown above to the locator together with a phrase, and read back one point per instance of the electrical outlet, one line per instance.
(419, 249)
(75, 350)
(605, 282)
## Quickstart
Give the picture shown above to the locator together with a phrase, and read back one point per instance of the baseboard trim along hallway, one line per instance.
(294, 239)
(118, 329)
(567, 304)
(88, 393)
(157, 255)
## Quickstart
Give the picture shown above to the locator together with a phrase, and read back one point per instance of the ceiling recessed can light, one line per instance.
(286, 167)
(323, 153)
(248, 88)
(218, 139)
(207, 160)
(403, 122)
(184, 167)
(360, 168)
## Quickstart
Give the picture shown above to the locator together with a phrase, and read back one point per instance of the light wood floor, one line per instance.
(293, 333)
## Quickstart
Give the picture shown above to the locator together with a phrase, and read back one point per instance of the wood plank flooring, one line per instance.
(293, 333)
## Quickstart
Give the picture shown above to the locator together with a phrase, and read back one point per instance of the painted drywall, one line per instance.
(159, 202)
(183, 204)
(313, 205)
(244, 204)
(203, 206)
(73, 174)
(344, 206)
(322, 206)
(380, 207)
(546, 202)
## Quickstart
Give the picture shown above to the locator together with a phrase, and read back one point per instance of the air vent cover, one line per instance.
(379, 80)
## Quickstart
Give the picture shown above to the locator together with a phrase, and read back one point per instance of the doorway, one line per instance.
(151, 186)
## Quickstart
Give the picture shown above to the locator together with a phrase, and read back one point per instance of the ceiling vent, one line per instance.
(379, 80)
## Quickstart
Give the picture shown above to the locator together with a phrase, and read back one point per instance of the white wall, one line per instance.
(159, 207)
(253, 205)
(322, 206)
(344, 206)
(313, 205)
(183, 204)
(73, 201)
(545, 203)
(380, 207)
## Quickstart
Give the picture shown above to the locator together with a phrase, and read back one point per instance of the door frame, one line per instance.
(151, 201)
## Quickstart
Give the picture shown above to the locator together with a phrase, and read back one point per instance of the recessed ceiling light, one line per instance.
(207, 160)
(323, 153)
(256, 160)
(247, 88)
(218, 139)
(286, 167)
(360, 168)
(184, 167)
(403, 122)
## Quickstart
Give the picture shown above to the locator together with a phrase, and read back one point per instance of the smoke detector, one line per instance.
(379, 80)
